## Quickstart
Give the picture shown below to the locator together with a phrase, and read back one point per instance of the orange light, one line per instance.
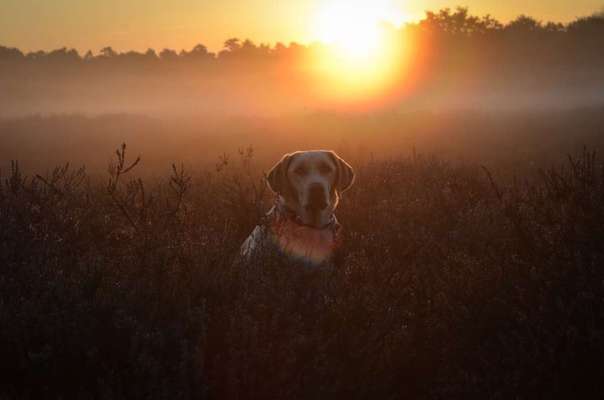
(361, 51)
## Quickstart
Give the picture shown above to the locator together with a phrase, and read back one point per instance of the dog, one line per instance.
(302, 225)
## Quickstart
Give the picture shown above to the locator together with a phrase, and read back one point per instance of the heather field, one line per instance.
(451, 283)
(471, 258)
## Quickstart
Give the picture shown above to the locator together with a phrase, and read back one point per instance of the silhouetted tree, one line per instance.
(10, 54)
(36, 55)
(150, 54)
(592, 26)
(168, 55)
(523, 25)
(63, 55)
(230, 47)
(232, 44)
(458, 23)
(108, 52)
(199, 52)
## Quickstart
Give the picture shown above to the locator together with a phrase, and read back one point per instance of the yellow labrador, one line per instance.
(302, 224)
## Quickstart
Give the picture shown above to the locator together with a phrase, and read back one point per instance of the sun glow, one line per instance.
(360, 49)
(353, 27)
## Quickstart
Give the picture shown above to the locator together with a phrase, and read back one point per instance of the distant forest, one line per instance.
(455, 60)
(448, 30)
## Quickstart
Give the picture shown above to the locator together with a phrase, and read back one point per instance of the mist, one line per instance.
(452, 61)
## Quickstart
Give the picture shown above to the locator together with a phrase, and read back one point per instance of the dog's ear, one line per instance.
(277, 177)
(345, 173)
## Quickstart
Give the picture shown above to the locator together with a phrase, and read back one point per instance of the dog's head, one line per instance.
(310, 184)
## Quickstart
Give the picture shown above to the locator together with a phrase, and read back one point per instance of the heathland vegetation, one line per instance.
(449, 283)
(473, 241)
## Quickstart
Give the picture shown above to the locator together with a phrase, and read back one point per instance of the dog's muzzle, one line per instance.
(316, 198)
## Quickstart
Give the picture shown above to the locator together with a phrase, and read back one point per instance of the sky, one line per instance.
(181, 24)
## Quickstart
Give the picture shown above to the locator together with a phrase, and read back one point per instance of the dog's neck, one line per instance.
(281, 211)
(314, 245)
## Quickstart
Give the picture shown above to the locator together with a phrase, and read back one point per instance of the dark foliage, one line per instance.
(450, 284)
(449, 25)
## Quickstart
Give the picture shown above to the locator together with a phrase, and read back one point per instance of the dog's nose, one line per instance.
(316, 197)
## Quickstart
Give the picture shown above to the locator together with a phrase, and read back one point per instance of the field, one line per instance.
(471, 263)
(456, 278)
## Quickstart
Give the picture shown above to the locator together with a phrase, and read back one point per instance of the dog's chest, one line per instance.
(298, 242)
(301, 242)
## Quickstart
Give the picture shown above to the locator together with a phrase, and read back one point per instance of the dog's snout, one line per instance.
(316, 197)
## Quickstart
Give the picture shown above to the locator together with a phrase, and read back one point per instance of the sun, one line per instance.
(359, 50)
(352, 28)
(355, 27)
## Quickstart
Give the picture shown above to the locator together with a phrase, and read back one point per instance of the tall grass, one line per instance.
(451, 283)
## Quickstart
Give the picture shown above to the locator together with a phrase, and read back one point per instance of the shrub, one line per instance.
(449, 284)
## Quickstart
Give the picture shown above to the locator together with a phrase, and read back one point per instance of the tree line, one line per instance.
(445, 29)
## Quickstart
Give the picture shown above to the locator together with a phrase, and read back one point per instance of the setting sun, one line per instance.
(352, 28)
(360, 51)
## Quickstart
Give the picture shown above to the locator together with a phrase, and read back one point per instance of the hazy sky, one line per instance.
(141, 24)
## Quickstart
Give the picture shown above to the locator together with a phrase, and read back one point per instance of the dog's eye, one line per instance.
(300, 170)
(324, 169)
